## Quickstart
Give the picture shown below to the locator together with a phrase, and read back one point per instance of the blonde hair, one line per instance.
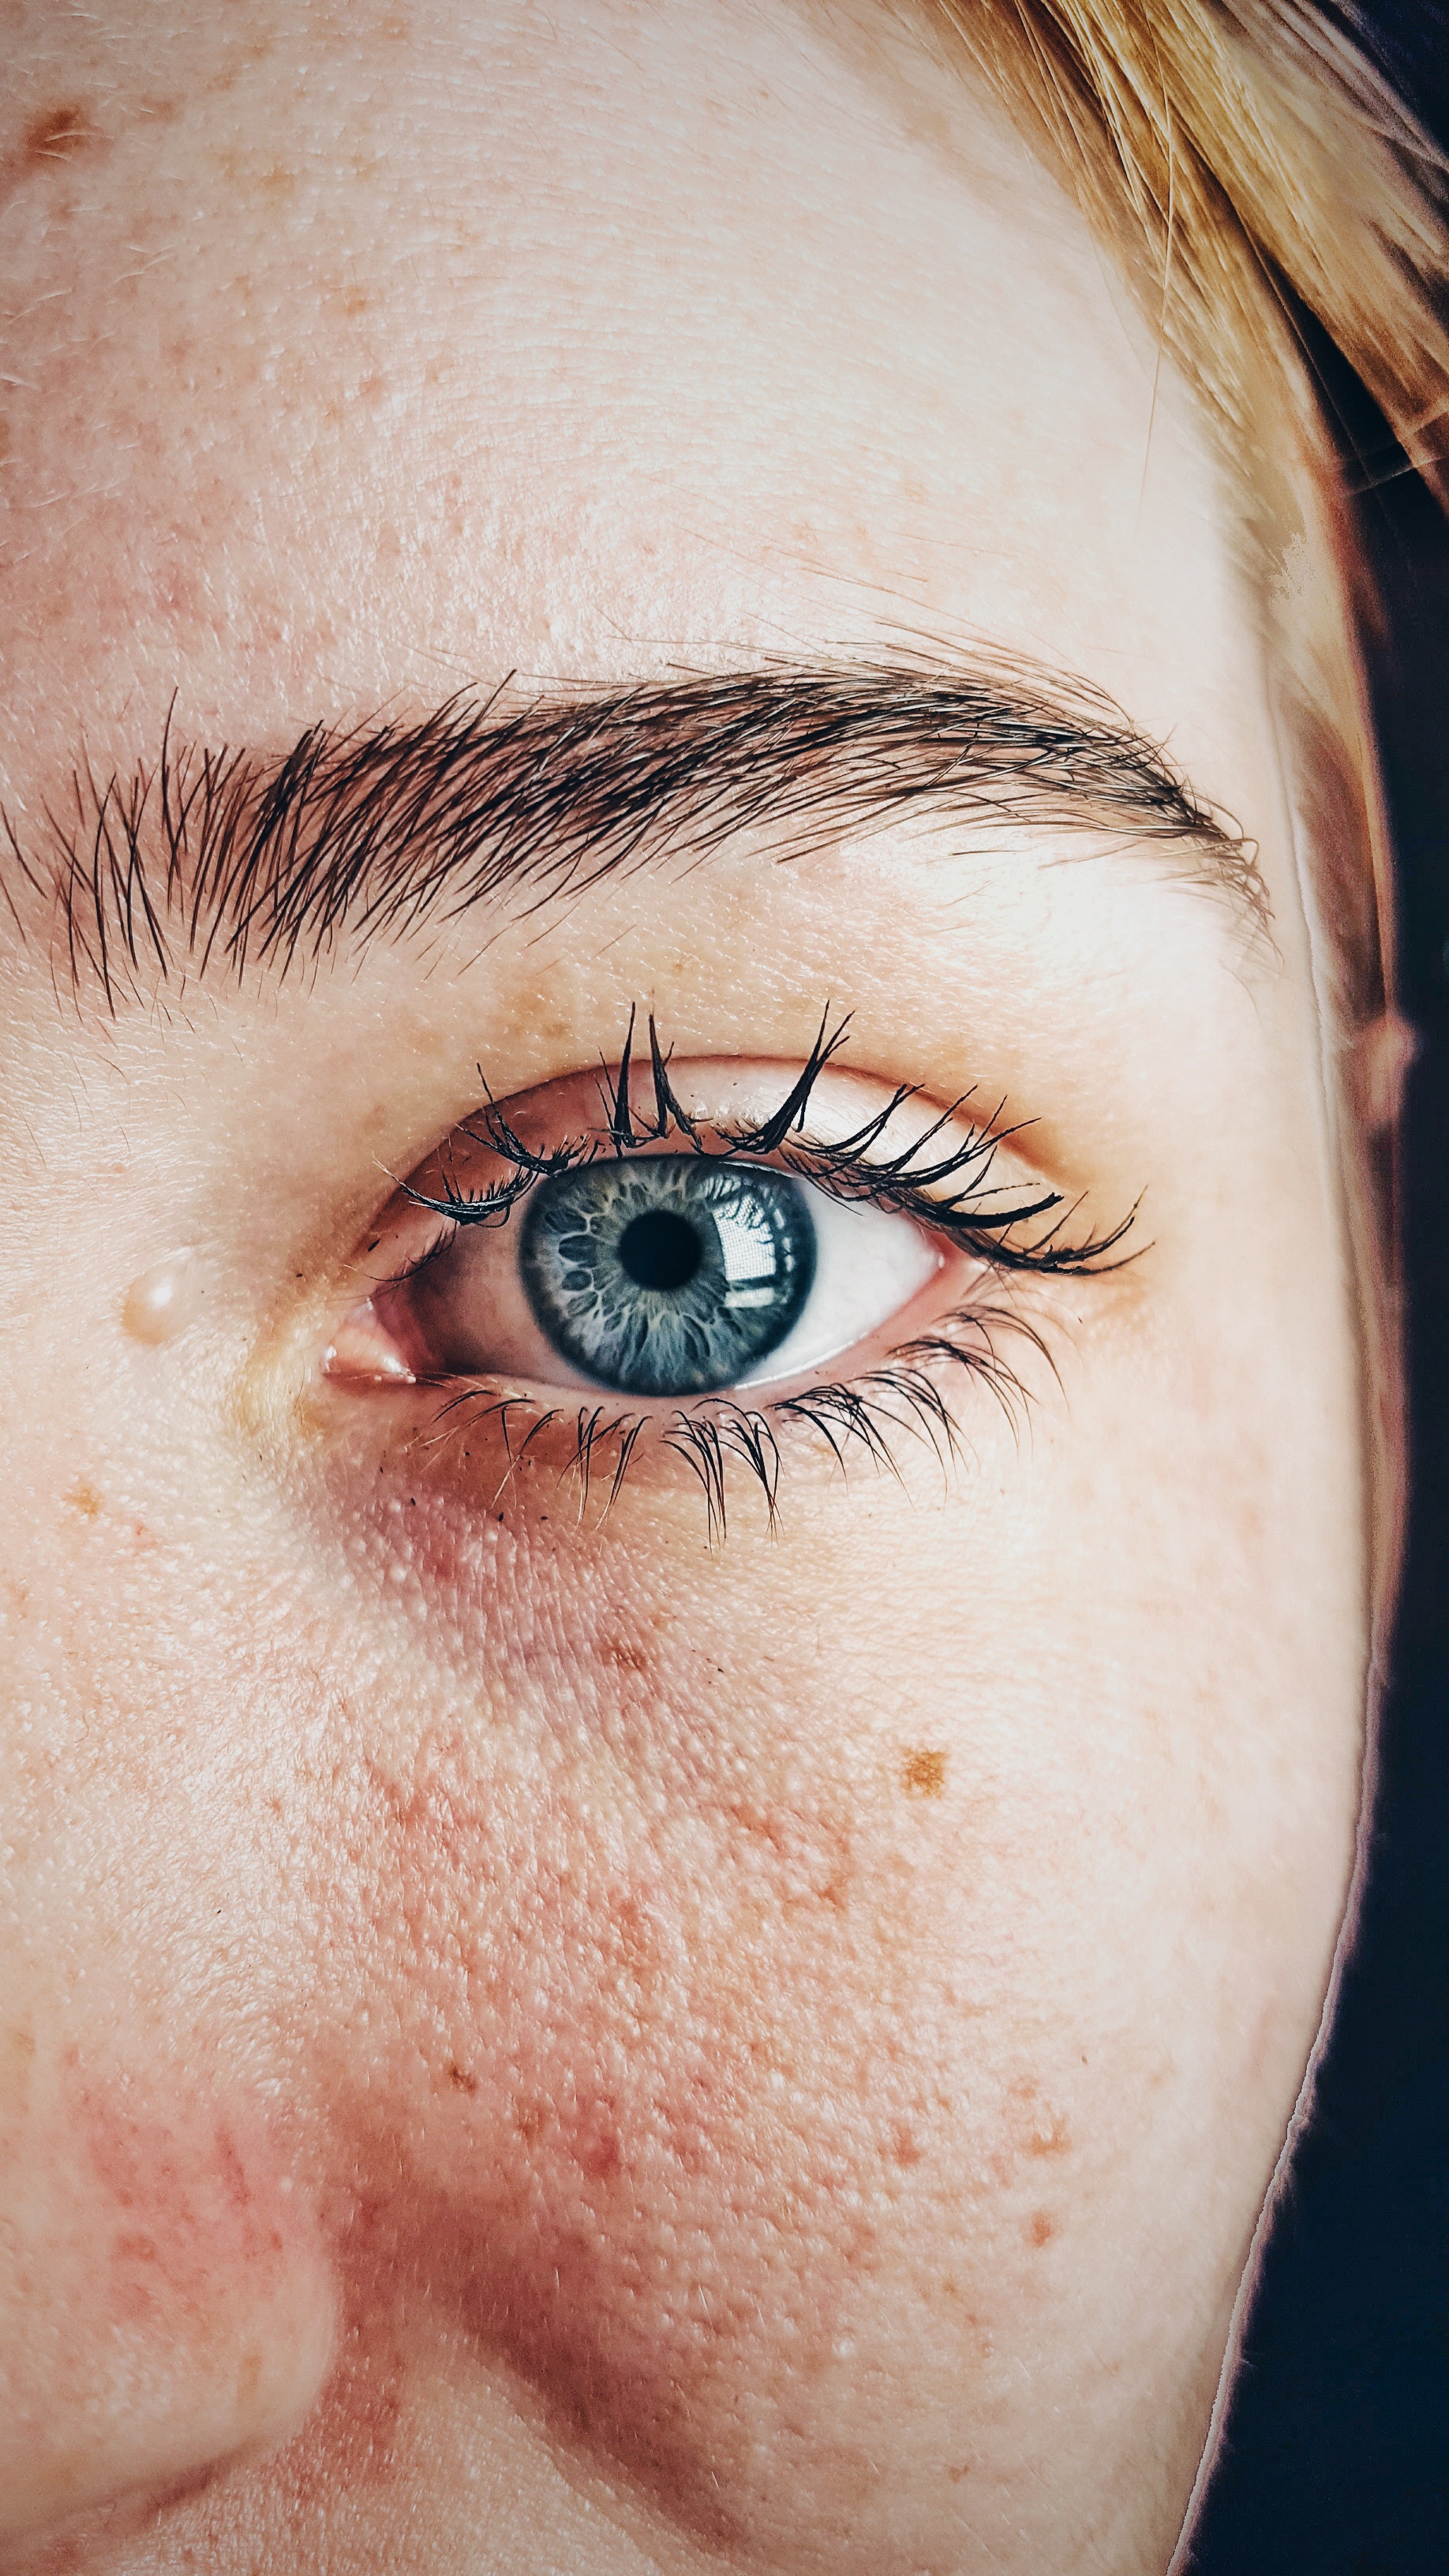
(1256, 177)
(1243, 157)
(1258, 180)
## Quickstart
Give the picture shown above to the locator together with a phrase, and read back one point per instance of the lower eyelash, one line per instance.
(901, 1397)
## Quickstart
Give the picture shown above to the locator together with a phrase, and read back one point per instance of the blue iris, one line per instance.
(670, 1275)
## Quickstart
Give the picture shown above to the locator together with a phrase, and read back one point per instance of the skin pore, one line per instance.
(543, 2036)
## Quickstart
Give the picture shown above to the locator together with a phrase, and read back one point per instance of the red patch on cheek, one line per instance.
(680, 2117)
(185, 2213)
(173, 2308)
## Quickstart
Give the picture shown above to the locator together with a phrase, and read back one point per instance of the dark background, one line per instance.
(1337, 2454)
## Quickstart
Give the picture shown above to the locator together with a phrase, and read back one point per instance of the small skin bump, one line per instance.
(923, 1773)
(1051, 2137)
(163, 1301)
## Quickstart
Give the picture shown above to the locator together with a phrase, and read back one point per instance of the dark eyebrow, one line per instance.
(207, 858)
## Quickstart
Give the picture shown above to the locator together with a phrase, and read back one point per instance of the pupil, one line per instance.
(660, 1250)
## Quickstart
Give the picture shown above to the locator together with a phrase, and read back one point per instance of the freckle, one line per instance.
(1043, 2228)
(461, 2080)
(904, 2150)
(923, 1773)
(59, 133)
(84, 1499)
(1050, 2138)
(164, 1300)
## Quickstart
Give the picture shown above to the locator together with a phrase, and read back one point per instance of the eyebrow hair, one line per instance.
(204, 858)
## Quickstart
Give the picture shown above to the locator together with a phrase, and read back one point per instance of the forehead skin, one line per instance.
(543, 2040)
(356, 355)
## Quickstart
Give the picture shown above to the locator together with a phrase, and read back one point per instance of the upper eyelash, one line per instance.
(846, 1166)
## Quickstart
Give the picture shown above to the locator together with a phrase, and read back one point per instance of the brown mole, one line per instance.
(923, 1773)
(625, 1659)
(60, 133)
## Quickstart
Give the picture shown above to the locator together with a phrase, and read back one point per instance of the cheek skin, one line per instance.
(164, 2304)
(682, 2116)
(719, 1999)
(672, 2115)
(738, 2003)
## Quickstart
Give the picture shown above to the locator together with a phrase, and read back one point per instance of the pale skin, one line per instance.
(548, 2038)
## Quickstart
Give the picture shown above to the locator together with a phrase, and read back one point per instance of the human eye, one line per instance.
(712, 1251)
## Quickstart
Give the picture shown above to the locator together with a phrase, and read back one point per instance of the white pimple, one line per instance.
(163, 1301)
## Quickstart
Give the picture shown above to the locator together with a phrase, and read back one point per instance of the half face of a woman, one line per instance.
(684, 1572)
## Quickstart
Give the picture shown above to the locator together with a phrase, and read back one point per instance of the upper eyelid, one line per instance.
(626, 1124)
(627, 1127)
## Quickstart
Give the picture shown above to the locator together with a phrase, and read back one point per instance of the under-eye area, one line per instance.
(718, 1261)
